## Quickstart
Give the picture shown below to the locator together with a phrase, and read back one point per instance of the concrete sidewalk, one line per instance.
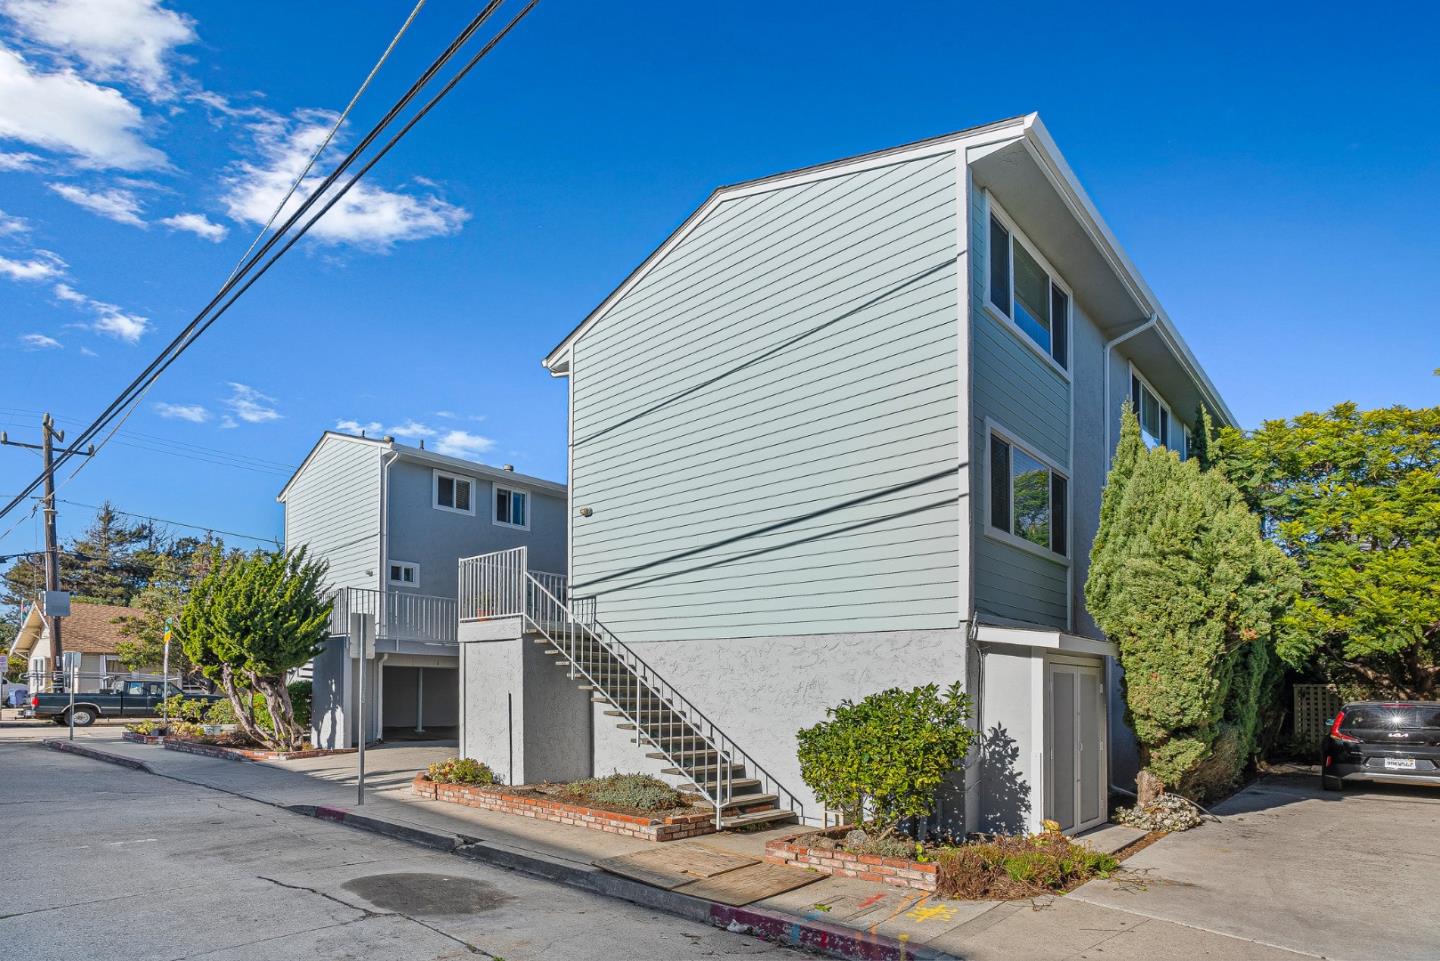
(840, 916)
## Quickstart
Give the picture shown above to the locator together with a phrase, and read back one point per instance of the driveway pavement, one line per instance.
(1335, 875)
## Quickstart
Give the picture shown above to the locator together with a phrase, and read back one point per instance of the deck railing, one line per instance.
(399, 615)
(498, 584)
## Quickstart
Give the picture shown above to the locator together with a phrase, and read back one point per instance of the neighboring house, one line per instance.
(847, 429)
(393, 521)
(90, 629)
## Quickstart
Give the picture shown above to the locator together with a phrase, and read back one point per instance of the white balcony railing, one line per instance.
(495, 585)
(399, 616)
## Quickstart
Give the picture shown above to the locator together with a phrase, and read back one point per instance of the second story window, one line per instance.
(1029, 500)
(454, 493)
(1153, 413)
(1026, 292)
(512, 507)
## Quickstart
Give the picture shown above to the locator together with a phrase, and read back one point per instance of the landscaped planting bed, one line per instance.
(235, 753)
(675, 816)
(139, 738)
(1000, 868)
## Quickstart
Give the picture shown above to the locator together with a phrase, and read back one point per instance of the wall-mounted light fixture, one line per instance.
(586, 512)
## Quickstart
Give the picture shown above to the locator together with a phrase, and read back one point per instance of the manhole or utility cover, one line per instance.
(436, 894)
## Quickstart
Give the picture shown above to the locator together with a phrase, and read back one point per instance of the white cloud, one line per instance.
(413, 429)
(462, 443)
(109, 318)
(88, 352)
(10, 225)
(355, 427)
(41, 265)
(40, 342)
(124, 40)
(368, 216)
(251, 406)
(63, 111)
(199, 225)
(194, 413)
(117, 203)
(18, 160)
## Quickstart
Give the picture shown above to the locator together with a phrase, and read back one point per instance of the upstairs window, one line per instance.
(454, 493)
(1029, 499)
(404, 574)
(1024, 291)
(512, 508)
(1158, 428)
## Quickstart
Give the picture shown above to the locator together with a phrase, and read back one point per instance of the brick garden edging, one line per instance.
(243, 753)
(142, 738)
(901, 872)
(671, 828)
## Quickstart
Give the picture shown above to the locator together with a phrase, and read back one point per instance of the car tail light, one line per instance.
(35, 701)
(1335, 729)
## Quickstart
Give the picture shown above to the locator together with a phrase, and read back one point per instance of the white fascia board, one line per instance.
(1048, 155)
(557, 361)
(1045, 639)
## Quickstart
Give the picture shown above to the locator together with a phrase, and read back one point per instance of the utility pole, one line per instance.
(48, 434)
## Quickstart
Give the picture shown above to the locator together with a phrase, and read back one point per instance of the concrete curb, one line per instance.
(773, 926)
(95, 754)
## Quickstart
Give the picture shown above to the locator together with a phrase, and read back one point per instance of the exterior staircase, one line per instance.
(660, 721)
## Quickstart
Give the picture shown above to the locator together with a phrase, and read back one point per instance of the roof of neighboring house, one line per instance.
(90, 629)
(420, 455)
(1027, 128)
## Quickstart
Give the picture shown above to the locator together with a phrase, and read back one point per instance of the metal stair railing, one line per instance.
(659, 713)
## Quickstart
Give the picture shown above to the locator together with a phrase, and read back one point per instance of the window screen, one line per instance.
(999, 483)
(1000, 266)
(1059, 514)
(1032, 297)
(1059, 326)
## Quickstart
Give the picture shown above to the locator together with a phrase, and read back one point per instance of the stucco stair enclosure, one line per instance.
(502, 601)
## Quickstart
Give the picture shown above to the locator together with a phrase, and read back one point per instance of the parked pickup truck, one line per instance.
(129, 699)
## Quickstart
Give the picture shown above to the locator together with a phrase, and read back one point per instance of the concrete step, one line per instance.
(739, 786)
(774, 816)
(707, 772)
(745, 803)
(707, 753)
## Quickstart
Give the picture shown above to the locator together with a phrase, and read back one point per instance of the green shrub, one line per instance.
(301, 694)
(887, 755)
(462, 770)
(640, 791)
(178, 706)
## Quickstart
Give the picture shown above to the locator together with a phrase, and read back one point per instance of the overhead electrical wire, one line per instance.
(201, 321)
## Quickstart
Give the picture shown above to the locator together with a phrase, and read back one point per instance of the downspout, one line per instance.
(1110, 346)
(386, 459)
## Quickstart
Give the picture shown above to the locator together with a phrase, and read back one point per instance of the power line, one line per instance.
(188, 335)
(163, 520)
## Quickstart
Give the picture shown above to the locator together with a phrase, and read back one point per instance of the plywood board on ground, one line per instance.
(747, 884)
(671, 865)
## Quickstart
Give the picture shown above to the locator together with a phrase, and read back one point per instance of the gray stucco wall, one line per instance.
(521, 714)
(436, 539)
(333, 509)
(761, 691)
(1025, 396)
(764, 427)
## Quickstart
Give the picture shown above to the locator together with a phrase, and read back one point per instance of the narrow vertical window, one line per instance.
(1059, 514)
(999, 484)
(1060, 326)
(1000, 266)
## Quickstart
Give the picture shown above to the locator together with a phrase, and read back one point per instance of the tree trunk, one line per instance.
(282, 713)
(243, 713)
(1148, 787)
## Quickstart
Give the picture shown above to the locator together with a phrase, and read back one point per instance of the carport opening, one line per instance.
(420, 703)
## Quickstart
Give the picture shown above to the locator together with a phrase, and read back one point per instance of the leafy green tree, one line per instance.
(184, 562)
(1182, 581)
(1354, 497)
(248, 623)
(887, 755)
(109, 563)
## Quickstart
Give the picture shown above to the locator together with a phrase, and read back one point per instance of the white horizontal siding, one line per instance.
(332, 508)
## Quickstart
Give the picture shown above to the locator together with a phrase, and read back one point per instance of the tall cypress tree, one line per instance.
(1183, 583)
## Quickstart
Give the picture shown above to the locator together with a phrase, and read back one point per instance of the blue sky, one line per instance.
(1274, 173)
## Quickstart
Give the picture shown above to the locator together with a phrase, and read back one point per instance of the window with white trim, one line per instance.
(512, 507)
(1028, 498)
(404, 574)
(1026, 292)
(454, 493)
(1158, 426)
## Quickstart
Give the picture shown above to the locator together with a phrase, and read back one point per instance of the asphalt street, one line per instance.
(101, 862)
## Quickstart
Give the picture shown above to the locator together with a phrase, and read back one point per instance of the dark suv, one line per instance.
(1397, 741)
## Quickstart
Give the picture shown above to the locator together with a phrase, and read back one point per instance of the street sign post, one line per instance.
(70, 660)
(165, 681)
(362, 646)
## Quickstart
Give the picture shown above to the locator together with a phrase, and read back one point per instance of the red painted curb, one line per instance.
(816, 935)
